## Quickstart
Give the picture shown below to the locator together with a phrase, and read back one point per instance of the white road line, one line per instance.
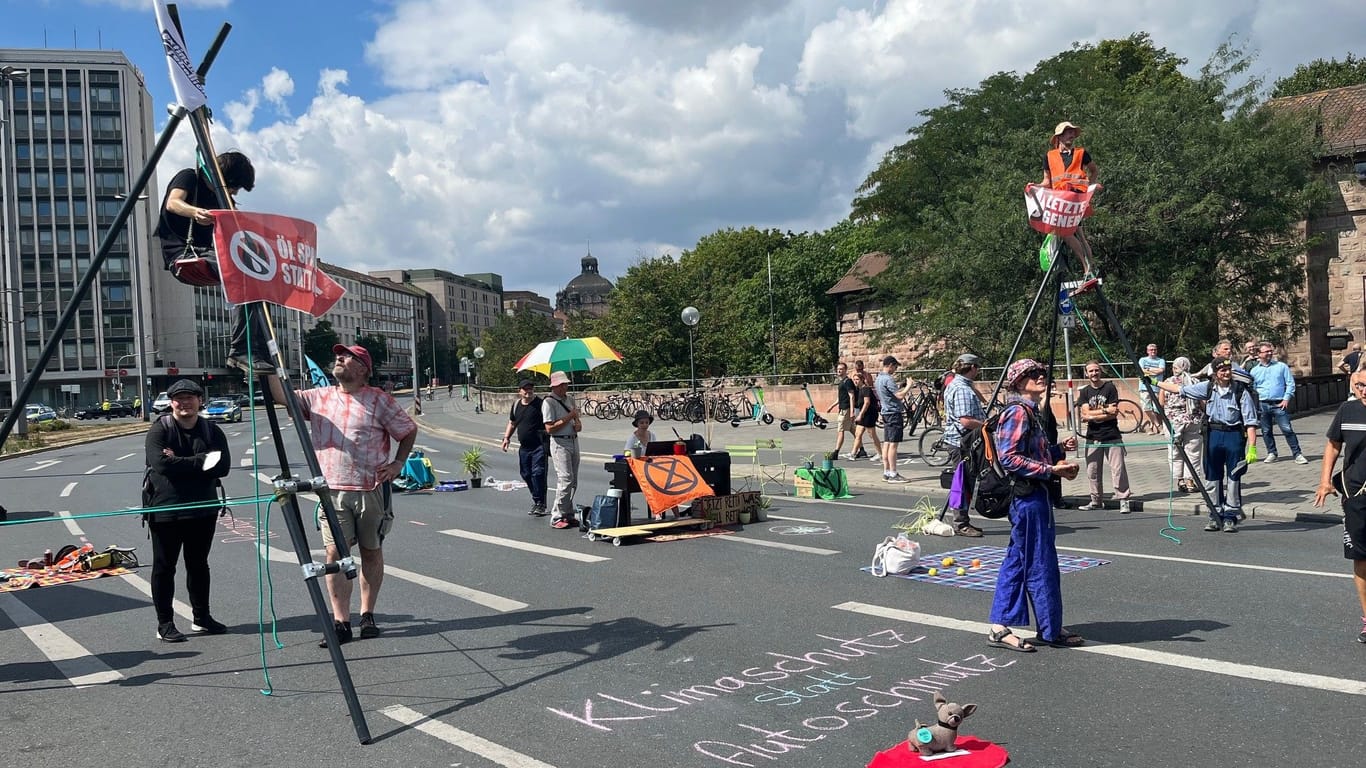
(94, 469)
(125, 456)
(181, 608)
(797, 519)
(1197, 663)
(44, 464)
(500, 604)
(778, 545)
(69, 523)
(1192, 561)
(494, 753)
(71, 486)
(526, 546)
(72, 659)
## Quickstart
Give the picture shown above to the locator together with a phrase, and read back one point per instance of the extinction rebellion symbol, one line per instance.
(253, 255)
(670, 476)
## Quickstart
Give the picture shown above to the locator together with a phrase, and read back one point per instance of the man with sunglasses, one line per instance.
(1104, 443)
(1349, 430)
(1230, 439)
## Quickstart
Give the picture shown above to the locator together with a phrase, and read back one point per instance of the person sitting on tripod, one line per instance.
(1072, 168)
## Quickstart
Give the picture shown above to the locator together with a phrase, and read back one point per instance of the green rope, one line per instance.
(214, 504)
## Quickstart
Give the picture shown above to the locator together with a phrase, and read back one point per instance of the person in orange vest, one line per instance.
(1067, 166)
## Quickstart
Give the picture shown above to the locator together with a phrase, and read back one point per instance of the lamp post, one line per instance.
(478, 355)
(772, 325)
(118, 381)
(690, 318)
(14, 316)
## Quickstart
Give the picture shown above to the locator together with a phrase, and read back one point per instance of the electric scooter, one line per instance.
(813, 419)
(758, 411)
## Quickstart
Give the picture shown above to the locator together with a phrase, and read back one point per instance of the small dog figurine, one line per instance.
(940, 737)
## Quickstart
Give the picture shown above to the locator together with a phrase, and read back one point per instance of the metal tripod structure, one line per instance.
(286, 486)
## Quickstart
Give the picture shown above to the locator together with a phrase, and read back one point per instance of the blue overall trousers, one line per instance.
(1029, 573)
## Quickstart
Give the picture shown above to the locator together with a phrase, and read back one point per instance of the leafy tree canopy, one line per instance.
(1320, 75)
(1196, 229)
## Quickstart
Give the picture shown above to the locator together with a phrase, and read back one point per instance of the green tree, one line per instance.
(1196, 230)
(318, 343)
(1320, 75)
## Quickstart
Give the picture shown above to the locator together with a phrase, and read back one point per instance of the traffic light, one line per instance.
(358, 334)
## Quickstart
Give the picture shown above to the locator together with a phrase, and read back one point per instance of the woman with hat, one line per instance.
(1029, 573)
(1070, 167)
(641, 436)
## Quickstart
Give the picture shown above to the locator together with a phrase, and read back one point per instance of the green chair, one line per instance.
(743, 476)
(771, 466)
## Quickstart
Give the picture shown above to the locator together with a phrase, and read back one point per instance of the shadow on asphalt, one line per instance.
(1162, 631)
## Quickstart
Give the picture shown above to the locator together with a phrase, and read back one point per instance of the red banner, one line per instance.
(264, 257)
(1057, 211)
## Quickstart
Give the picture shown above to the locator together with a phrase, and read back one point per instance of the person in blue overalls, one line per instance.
(1029, 573)
(1230, 439)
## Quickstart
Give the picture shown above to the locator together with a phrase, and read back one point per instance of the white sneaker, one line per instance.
(1091, 506)
(1124, 507)
(1300, 459)
(895, 479)
(1270, 458)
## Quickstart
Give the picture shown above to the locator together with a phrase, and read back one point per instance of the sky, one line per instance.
(512, 136)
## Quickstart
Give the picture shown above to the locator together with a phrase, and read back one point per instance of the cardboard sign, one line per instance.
(264, 257)
(725, 510)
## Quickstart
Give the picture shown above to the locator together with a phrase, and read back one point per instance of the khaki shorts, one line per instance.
(364, 516)
(844, 422)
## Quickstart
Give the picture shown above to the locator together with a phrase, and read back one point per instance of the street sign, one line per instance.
(123, 371)
(1065, 303)
(1068, 321)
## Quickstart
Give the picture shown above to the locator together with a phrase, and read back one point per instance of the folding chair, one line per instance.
(742, 479)
(771, 473)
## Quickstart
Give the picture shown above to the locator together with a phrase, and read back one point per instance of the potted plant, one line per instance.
(809, 462)
(828, 460)
(473, 462)
(761, 508)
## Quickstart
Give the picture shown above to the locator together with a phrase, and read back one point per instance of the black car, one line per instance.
(117, 409)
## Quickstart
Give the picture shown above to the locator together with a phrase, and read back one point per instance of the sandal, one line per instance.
(998, 640)
(1069, 639)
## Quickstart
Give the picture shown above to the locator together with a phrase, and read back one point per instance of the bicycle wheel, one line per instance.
(1130, 415)
(933, 450)
(693, 411)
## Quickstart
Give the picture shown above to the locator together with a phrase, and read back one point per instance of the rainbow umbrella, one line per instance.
(568, 355)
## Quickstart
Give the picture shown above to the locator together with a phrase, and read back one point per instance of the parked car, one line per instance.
(223, 409)
(162, 404)
(39, 412)
(117, 409)
(243, 399)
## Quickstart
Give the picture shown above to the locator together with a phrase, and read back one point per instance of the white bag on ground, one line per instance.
(896, 555)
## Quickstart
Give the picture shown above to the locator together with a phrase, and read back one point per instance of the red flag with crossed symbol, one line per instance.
(265, 257)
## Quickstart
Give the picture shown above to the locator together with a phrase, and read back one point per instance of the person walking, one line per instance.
(353, 426)
(1029, 572)
(963, 412)
(1275, 386)
(1187, 418)
(893, 412)
(1100, 410)
(1347, 438)
(846, 397)
(561, 417)
(186, 457)
(1230, 444)
(524, 418)
(865, 419)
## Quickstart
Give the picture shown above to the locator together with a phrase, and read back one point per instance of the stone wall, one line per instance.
(1335, 280)
(855, 327)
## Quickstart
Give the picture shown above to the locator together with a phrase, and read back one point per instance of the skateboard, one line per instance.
(620, 535)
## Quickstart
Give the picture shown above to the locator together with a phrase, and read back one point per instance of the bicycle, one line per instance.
(933, 450)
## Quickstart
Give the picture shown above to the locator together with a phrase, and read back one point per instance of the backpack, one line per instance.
(988, 485)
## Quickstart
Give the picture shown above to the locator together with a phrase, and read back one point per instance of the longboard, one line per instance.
(619, 535)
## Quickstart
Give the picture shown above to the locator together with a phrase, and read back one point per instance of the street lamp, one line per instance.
(13, 329)
(478, 355)
(690, 317)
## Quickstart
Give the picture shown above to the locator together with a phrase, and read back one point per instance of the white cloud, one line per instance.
(515, 132)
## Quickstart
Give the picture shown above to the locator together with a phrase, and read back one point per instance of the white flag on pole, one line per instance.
(189, 92)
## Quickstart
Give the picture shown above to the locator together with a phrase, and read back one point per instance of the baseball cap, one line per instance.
(357, 351)
(1220, 362)
(967, 358)
(526, 384)
(558, 377)
(185, 385)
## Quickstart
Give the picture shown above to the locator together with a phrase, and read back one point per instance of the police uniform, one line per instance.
(1225, 442)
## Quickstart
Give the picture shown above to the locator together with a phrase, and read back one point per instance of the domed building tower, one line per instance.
(586, 293)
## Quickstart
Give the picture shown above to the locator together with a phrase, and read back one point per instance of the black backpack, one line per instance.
(987, 483)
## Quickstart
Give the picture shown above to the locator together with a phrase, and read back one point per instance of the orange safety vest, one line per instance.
(1072, 176)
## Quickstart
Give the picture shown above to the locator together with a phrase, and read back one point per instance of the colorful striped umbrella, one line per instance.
(568, 355)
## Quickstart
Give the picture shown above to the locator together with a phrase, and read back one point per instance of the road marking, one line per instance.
(72, 659)
(181, 608)
(125, 456)
(778, 545)
(44, 464)
(71, 486)
(1192, 561)
(526, 546)
(69, 523)
(494, 753)
(797, 519)
(93, 469)
(1197, 663)
(500, 604)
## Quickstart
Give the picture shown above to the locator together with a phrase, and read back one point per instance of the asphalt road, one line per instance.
(507, 643)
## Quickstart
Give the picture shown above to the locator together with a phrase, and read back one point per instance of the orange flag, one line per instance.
(667, 481)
